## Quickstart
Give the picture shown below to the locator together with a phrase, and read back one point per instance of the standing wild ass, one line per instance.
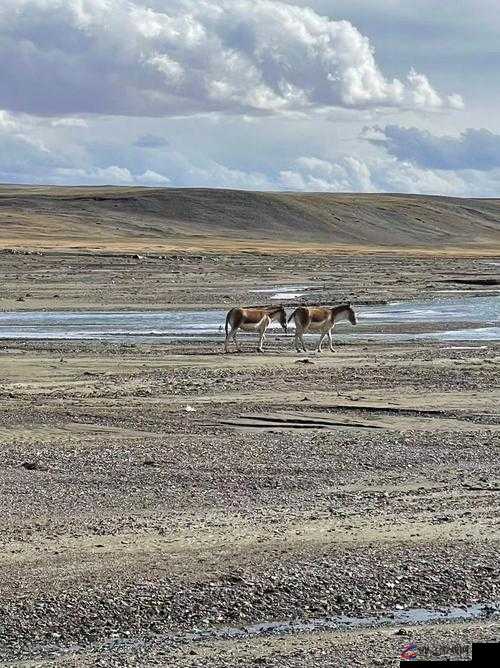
(319, 319)
(253, 320)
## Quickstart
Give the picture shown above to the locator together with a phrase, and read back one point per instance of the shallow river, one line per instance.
(481, 313)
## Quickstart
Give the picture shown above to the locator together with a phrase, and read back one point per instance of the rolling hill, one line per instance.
(47, 217)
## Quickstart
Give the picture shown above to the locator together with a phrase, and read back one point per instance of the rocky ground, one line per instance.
(51, 280)
(157, 497)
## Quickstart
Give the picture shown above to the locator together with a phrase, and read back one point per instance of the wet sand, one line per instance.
(155, 492)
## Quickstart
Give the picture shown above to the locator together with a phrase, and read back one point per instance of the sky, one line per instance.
(304, 95)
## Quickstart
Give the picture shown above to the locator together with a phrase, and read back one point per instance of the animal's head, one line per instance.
(350, 314)
(278, 313)
(344, 312)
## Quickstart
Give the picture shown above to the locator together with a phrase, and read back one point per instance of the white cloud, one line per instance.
(23, 153)
(69, 122)
(151, 178)
(351, 174)
(25, 158)
(412, 161)
(113, 175)
(424, 96)
(212, 174)
(189, 56)
(394, 176)
(7, 122)
(456, 101)
(310, 173)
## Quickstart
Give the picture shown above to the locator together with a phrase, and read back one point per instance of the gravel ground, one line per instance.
(153, 494)
(51, 280)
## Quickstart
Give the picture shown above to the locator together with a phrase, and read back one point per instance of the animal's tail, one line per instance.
(289, 319)
(227, 321)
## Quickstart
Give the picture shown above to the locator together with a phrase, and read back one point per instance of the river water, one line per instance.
(482, 315)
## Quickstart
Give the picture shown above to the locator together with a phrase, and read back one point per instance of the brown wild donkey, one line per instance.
(253, 319)
(319, 319)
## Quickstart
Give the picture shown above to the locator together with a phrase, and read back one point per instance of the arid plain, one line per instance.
(165, 503)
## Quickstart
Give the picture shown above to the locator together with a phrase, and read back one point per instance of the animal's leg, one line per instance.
(302, 342)
(226, 342)
(236, 342)
(330, 339)
(323, 334)
(262, 333)
(296, 338)
(233, 336)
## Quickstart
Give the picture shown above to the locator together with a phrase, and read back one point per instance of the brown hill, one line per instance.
(168, 218)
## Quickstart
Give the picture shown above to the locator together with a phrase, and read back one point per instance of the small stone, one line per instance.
(31, 466)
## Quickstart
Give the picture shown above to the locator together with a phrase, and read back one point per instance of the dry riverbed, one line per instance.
(157, 497)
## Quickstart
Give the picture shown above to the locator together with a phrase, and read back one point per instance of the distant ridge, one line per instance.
(108, 216)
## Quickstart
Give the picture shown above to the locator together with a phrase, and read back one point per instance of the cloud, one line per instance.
(150, 141)
(7, 122)
(350, 174)
(69, 122)
(151, 178)
(147, 57)
(424, 95)
(207, 173)
(23, 155)
(113, 175)
(26, 158)
(476, 149)
(36, 152)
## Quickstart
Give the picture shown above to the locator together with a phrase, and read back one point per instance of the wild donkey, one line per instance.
(253, 320)
(319, 319)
